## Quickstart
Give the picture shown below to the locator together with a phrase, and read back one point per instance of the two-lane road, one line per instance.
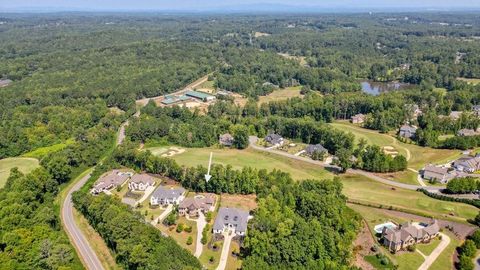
(85, 251)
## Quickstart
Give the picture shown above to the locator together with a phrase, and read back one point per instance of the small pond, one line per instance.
(376, 88)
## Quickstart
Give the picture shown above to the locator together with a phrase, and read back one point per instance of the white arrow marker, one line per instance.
(208, 176)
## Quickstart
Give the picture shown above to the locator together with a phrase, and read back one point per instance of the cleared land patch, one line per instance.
(25, 165)
(473, 81)
(250, 158)
(361, 189)
(281, 94)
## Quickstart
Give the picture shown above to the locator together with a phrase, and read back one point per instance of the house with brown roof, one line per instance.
(141, 182)
(193, 206)
(358, 118)
(409, 234)
(110, 180)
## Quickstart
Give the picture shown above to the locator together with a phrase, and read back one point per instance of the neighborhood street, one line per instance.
(85, 251)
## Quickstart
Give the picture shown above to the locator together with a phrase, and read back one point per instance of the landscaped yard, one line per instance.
(364, 190)
(25, 165)
(250, 158)
(407, 177)
(182, 237)
(374, 216)
(281, 94)
(234, 263)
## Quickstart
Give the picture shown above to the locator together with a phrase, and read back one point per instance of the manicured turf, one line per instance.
(25, 165)
(409, 260)
(250, 158)
(418, 156)
(281, 94)
(427, 249)
(445, 260)
(407, 177)
(364, 190)
(375, 262)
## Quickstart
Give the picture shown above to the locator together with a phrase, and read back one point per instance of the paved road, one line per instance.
(85, 251)
(225, 250)
(430, 259)
(370, 175)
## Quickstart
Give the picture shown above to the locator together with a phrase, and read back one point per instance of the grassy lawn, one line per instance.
(427, 249)
(375, 262)
(250, 158)
(96, 242)
(281, 94)
(233, 263)
(25, 165)
(407, 177)
(409, 260)
(181, 238)
(364, 190)
(445, 260)
(43, 151)
(418, 156)
(207, 85)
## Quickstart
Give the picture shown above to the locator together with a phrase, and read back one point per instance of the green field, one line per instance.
(470, 81)
(417, 156)
(281, 94)
(363, 190)
(43, 151)
(250, 158)
(25, 165)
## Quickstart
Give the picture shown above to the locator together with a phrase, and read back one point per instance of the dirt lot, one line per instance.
(244, 202)
(363, 245)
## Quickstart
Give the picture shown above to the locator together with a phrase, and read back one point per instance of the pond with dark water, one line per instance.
(376, 88)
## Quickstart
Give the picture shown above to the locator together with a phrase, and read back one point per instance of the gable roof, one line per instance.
(142, 178)
(407, 231)
(198, 203)
(312, 148)
(196, 94)
(113, 178)
(273, 138)
(234, 216)
(167, 193)
(407, 128)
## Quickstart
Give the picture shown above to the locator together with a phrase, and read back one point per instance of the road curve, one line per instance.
(84, 250)
(253, 140)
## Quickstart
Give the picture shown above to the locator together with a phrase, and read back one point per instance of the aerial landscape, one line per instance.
(240, 135)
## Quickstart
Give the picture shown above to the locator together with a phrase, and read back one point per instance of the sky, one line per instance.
(205, 5)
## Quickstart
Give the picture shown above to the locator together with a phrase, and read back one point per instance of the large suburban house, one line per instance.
(408, 234)
(226, 139)
(141, 182)
(110, 180)
(315, 148)
(407, 131)
(274, 139)
(193, 206)
(438, 174)
(167, 195)
(467, 163)
(231, 219)
(358, 118)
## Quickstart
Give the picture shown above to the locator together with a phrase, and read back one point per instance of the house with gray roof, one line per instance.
(274, 139)
(167, 195)
(437, 174)
(110, 180)
(407, 131)
(141, 182)
(467, 164)
(408, 234)
(226, 139)
(315, 148)
(232, 219)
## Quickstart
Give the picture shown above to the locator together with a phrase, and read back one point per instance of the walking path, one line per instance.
(201, 223)
(430, 259)
(419, 177)
(225, 250)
